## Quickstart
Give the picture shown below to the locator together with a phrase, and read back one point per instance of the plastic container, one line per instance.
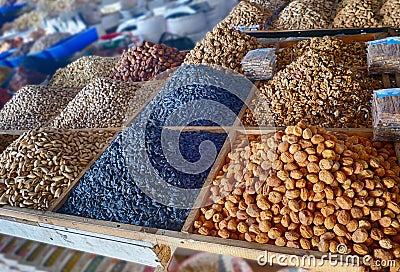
(152, 28)
(188, 24)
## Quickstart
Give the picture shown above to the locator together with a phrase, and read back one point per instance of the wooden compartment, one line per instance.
(203, 200)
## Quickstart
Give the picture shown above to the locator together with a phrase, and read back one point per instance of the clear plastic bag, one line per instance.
(384, 56)
(260, 64)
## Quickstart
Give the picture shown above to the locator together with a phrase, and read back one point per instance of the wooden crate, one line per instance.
(203, 198)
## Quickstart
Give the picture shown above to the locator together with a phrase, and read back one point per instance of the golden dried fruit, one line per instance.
(274, 233)
(280, 241)
(359, 236)
(306, 217)
(340, 230)
(300, 156)
(343, 217)
(361, 249)
(262, 238)
(242, 227)
(352, 225)
(306, 231)
(305, 244)
(344, 202)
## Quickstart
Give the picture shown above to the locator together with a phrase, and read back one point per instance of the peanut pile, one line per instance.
(247, 14)
(305, 188)
(34, 106)
(321, 87)
(298, 15)
(80, 72)
(40, 165)
(224, 47)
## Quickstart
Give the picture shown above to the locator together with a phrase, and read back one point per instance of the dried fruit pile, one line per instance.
(321, 86)
(142, 63)
(37, 167)
(304, 188)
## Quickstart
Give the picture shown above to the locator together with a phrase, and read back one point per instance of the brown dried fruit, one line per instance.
(360, 236)
(344, 202)
(343, 217)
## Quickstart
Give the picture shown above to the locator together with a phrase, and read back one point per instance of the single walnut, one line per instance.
(305, 244)
(300, 156)
(275, 197)
(385, 221)
(318, 219)
(224, 233)
(319, 230)
(386, 243)
(306, 217)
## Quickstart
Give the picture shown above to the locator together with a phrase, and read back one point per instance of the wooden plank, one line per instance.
(213, 129)
(13, 132)
(106, 245)
(397, 75)
(242, 249)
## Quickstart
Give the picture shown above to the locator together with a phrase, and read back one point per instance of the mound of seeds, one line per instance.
(80, 72)
(272, 5)
(108, 192)
(224, 47)
(34, 106)
(142, 63)
(319, 87)
(391, 13)
(304, 188)
(357, 14)
(103, 103)
(325, 8)
(39, 166)
(354, 53)
(247, 14)
(298, 15)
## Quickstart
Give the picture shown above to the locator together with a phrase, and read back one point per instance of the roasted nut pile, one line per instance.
(142, 63)
(37, 167)
(320, 87)
(304, 188)
(34, 106)
(224, 47)
(47, 41)
(357, 14)
(102, 103)
(353, 54)
(298, 15)
(6, 140)
(108, 192)
(247, 14)
(80, 72)
(391, 13)
(272, 5)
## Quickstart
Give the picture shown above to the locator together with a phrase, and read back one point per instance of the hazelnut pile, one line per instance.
(357, 14)
(247, 14)
(143, 63)
(306, 188)
(391, 13)
(224, 47)
(318, 87)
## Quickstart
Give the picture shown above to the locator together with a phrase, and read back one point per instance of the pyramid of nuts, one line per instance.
(247, 14)
(298, 15)
(357, 14)
(224, 47)
(325, 8)
(272, 5)
(391, 13)
(322, 87)
(143, 63)
(305, 188)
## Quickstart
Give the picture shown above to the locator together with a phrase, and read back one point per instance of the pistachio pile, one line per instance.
(298, 15)
(34, 106)
(321, 87)
(305, 188)
(143, 63)
(40, 165)
(80, 72)
(247, 14)
(103, 103)
(223, 47)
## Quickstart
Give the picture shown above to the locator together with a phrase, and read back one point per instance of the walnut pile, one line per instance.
(321, 87)
(224, 47)
(391, 13)
(305, 188)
